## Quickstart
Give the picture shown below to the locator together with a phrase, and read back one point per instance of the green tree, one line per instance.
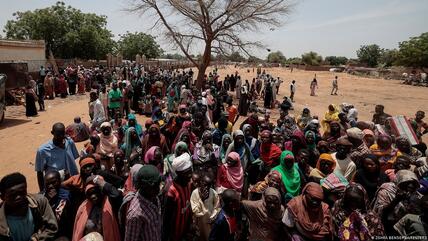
(388, 57)
(276, 57)
(131, 44)
(236, 57)
(336, 60)
(414, 52)
(294, 60)
(369, 54)
(254, 59)
(67, 31)
(311, 58)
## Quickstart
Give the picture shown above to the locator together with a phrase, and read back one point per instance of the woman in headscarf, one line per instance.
(332, 114)
(352, 217)
(230, 175)
(325, 166)
(252, 142)
(225, 142)
(405, 147)
(307, 217)
(172, 93)
(210, 103)
(311, 146)
(273, 179)
(395, 199)
(334, 133)
(290, 174)
(265, 216)
(132, 122)
(269, 152)
(96, 214)
(180, 148)
(206, 152)
(239, 146)
(108, 142)
(369, 175)
(384, 151)
(401, 163)
(132, 142)
(185, 136)
(154, 138)
(131, 180)
(289, 126)
(243, 101)
(154, 157)
(296, 143)
(369, 137)
(304, 118)
(323, 147)
(199, 124)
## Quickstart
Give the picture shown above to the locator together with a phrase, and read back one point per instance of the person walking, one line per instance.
(314, 85)
(335, 86)
(292, 90)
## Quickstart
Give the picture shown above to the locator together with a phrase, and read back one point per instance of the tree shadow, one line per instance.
(8, 122)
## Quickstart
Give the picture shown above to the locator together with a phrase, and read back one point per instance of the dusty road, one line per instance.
(21, 136)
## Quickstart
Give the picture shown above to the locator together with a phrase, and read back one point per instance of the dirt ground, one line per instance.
(21, 136)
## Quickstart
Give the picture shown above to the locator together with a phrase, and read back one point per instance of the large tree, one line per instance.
(276, 57)
(414, 52)
(336, 60)
(311, 58)
(131, 44)
(216, 25)
(369, 54)
(67, 31)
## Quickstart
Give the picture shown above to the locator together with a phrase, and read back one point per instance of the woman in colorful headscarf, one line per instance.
(289, 126)
(239, 146)
(132, 122)
(154, 157)
(324, 167)
(296, 143)
(273, 179)
(311, 146)
(352, 217)
(332, 114)
(206, 152)
(265, 216)
(108, 141)
(269, 152)
(230, 175)
(369, 137)
(225, 142)
(304, 118)
(385, 152)
(132, 142)
(307, 217)
(154, 138)
(290, 173)
(180, 148)
(333, 134)
(253, 143)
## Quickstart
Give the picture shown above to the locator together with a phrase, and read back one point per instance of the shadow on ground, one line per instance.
(8, 122)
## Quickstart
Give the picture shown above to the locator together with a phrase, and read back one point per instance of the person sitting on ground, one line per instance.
(78, 131)
(379, 117)
(334, 133)
(325, 166)
(304, 118)
(332, 114)
(369, 175)
(384, 151)
(412, 225)
(24, 216)
(290, 174)
(359, 149)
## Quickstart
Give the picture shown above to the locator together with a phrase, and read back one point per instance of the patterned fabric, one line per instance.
(143, 221)
(358, 153)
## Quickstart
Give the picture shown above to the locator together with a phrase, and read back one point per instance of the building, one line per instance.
(31, 52)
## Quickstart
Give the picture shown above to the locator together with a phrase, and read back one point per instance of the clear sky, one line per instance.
(329, 27)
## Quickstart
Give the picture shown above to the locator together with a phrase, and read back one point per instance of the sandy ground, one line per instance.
(21, 136)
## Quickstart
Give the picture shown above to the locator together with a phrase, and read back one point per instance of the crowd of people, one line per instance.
(190, 173)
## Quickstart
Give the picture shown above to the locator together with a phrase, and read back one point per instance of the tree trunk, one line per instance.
(203, 65)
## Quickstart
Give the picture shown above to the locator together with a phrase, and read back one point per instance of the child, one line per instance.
(205, 207)
(225, 226)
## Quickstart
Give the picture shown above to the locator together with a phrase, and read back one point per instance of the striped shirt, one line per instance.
(183, 215)
(143, 220)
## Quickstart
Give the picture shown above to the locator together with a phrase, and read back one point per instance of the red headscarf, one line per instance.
(269, 152)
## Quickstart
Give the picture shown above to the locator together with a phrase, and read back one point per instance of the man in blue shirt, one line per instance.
(58, 154)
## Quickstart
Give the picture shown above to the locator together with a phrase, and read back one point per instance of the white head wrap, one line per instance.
(182, 162)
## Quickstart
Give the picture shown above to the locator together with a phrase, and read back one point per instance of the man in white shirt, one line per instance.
(97, 108)
(344, 165)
